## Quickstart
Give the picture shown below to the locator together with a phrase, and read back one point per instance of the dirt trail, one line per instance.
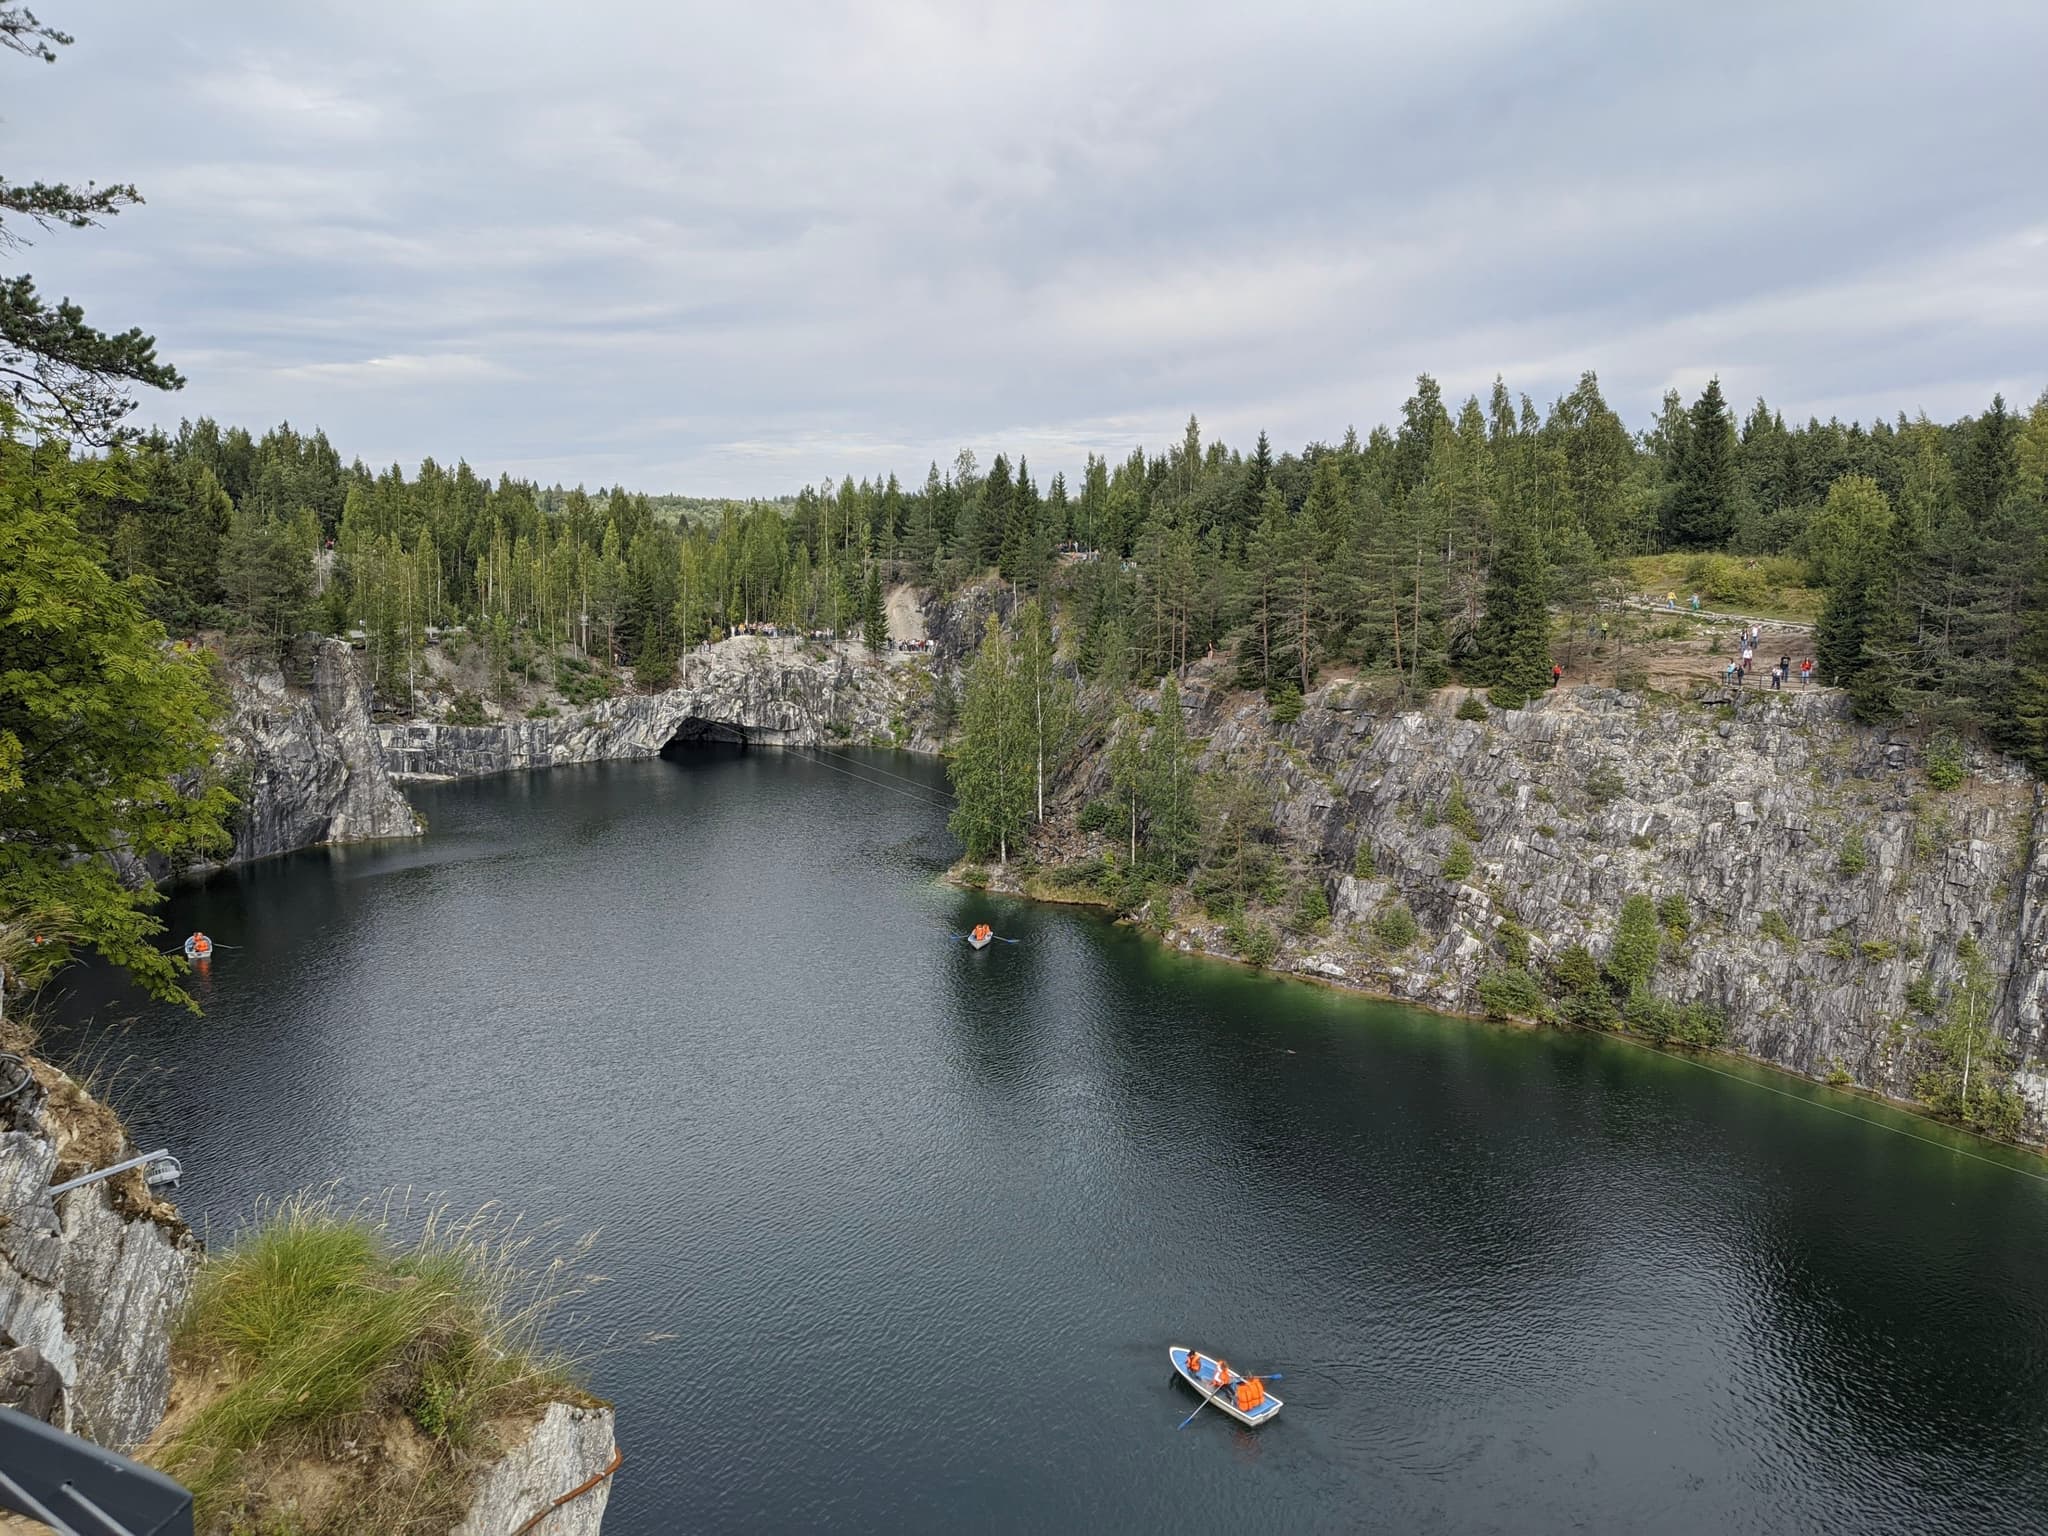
(906, 616)
(1676, 662)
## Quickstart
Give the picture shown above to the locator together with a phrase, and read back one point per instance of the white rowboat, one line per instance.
(1226, 1400)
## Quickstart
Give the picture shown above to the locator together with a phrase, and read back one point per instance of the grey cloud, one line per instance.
(730, 249)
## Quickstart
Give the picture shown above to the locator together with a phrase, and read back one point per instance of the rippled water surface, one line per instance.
(896, 1234)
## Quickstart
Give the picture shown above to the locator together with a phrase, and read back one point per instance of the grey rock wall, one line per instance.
(566, 1448)
(307, 763)
(1748, 808)
(89, 1288)
(773, 692)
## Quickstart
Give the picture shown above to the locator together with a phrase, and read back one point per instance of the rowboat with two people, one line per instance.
(198, 947)
(1244, 1398)
(982, 936)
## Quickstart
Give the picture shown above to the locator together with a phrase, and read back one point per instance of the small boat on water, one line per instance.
(982, 936)
(198, 947)
(1260, 1406)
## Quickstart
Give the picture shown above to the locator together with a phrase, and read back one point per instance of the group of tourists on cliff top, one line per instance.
(1738, 670)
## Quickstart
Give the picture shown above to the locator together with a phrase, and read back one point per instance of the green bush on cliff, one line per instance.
(1472, 707)
(1633, 958)
(1604, 784)
(466, 709)
(1945, 759)
(1675, 913)
(1312, 911)
(1670, 1023)
(1512, 994)
(1458, 860)
(1102, 814)
(1287, 705)
(1458, 812)
(1363, 864)
(324, 1328)
(1393, 926)
(1854, 857)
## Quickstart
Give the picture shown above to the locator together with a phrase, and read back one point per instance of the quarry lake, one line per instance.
(894, 1234)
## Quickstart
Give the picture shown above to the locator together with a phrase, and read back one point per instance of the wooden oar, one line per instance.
(1207, 1394)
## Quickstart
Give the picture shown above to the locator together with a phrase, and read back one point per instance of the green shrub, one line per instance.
(1363, 864)
(1773, 926)
(1673, 1024)
(1394, 926)
(1514, 942)
(1877, 951)
(1604, 784)
(1287, 705)
(1458, 813)
(1471, 707)
(1512, 994)
(1727, 579)
(1458, 860)
(1642, 842)
(541, 711)
(466, 709)
(1675, 913)
(1633, 958)
(1945, 759)
(1545, 829)
(1920, 996)
(579, 683)
(1256, 942)
(1854, 857)
(1575, 971)
(1312, 911)
(319, 1323)
(1589, 1010)
(974, 876)
(1839, 946)
(1102, 814)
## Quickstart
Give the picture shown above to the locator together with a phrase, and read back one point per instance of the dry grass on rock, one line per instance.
(331, 1379)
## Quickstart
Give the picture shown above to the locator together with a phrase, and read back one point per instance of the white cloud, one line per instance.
(727, 249)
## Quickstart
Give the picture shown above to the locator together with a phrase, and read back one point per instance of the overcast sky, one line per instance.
(729, 248)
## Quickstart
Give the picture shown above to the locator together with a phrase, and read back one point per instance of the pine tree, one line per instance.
(1701, 511)
(874, 616)
(1172, 829)
(991, 766)
(1514, 639)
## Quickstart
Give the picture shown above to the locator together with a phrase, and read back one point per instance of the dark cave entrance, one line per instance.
(696, 733)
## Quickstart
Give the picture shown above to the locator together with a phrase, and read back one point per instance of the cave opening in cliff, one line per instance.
(697, 733)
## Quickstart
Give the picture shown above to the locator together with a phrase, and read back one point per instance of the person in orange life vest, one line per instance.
(1195, 1363)
(1223, 1376)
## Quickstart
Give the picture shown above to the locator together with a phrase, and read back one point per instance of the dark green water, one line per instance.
(896, 1234)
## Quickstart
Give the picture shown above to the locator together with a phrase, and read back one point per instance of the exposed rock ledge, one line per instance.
(307, 764)
(564, 1451)
(772, 692)
(92, 1280)
(1823, 873)
(91, 1285)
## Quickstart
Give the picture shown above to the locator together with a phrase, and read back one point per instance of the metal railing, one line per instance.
(80, 1489)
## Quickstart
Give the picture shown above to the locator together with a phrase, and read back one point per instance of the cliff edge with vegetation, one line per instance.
(1756, 871)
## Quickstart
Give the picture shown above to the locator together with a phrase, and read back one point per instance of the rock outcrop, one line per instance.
(767, 691)
(306, 763)
(569, 1449)
(89, 1282)
(1821, 875)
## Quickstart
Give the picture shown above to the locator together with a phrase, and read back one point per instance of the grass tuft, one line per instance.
(319, 1331)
